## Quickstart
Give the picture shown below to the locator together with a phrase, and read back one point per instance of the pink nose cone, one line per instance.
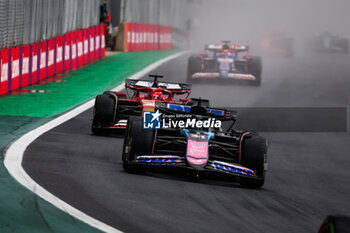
(197, 152)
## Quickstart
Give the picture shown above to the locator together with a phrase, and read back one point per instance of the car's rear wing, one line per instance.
(151, 84)
(219, 47)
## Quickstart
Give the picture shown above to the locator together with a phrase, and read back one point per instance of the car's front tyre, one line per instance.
(254, 157)
(137, 141)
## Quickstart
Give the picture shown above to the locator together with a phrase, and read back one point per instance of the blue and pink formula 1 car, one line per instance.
(224, 64)
(193, 148)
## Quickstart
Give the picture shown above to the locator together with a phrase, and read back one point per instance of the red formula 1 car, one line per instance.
(224, 64)
(112, 109)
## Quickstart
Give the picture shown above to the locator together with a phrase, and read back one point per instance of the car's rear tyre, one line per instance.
(104, 112)
(255, 68)
(137, 141)
(254, 157)
(193, 66)
(335, 224)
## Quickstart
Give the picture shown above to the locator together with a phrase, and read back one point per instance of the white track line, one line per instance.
(14, 154)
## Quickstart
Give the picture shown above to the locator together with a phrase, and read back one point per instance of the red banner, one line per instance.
(59, 54)
(67, 52)
(4, 69)
(133, 37)
(51, 57)
(153, 38)
(74, 50)
(104, 29)
(98, 40)
(34, 73)
(143, 37)
(15, 55)
(126, 37)
(80, 51)
(162, 39)
(42, 60)
(165, 38)
(169, 42)
(86, 46)
(92, 44)
(156, 35)
(137, 38)
(25, 65)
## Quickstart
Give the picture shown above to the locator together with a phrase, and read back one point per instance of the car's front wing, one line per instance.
(179, 161)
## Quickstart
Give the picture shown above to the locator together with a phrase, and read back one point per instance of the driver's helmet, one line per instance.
(226, 46)
(157, 95)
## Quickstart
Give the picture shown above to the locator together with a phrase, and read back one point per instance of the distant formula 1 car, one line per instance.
(276, 43)
(224, 64)
(327, 42)
(200, 151)
(112, 109)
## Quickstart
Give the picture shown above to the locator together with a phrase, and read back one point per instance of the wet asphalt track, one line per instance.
(308, 177)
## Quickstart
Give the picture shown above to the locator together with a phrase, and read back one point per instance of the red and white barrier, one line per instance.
(4, 69)
(67, 51)
(28, 64)
(92, 44)
(98, 41)
(73, 40)
(33, 75)
(25, 66)
(51, 57)
(80, 52)
(42, 60)
(103, 40)
(142, 37)
(14, 74)
(59, 55)
(86, 51)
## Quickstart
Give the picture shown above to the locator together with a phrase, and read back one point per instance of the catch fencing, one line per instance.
(29, 21)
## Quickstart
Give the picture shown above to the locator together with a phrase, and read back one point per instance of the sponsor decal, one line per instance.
(92, 48)
(4, 73)
(86, 46)
(97, 42)
(74, 51)
(35, 63)
(157, 120)
(51, 57)
(25, 65)
(80, 49)
(103, 42)
(66, 52)
(15, 68)
(59, 54)
(151, 120)
(43, 60)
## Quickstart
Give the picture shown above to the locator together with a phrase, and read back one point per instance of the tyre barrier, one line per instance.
(26, 65)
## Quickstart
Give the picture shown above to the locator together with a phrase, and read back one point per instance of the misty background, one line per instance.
(243, 21)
